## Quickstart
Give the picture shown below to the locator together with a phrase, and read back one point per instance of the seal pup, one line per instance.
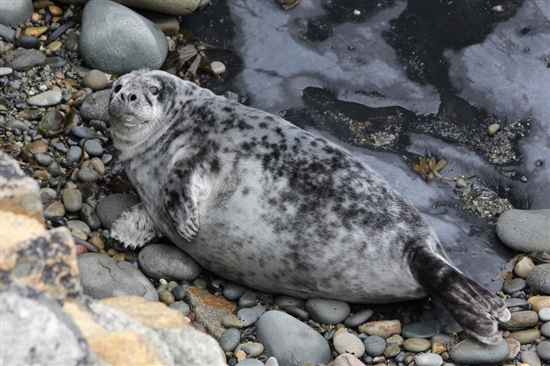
(258, 201)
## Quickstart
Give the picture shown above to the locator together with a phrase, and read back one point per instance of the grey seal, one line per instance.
(261, 202)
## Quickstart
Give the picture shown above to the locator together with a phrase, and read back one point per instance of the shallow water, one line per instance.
(451, 68)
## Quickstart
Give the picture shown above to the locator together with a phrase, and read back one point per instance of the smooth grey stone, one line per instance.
(472, 352)
(106, 158)
(73, 156)
(102, 277)
(515, 302)
(271, 361)
(247, 316)
(375, 345)
(283, 301)
(55, 62)
(20, 125)
(88, 215)
(531, 358)
(419, 330)
(28, 42)
(98, 125)
(250, 362)
(43, 159)
(72, 43)
(428, 359)
(327, 311)
(36, 331)
(169, 262)
(93, 147)
(260, 309)
(543, 350)
(544, 314)
(110, 207)
(248, 299)
(230, 339)
(181, 307)
(545, 329)
(82, 132)
(7, 33)
(22, 60)
(358, 318)
(539, 278)
(178, 292)
(297, 312)
(517, 284)
(48, 98)
(233, 291)
(72, 199)
(443, 339)
(116, 47)
(95, 106)
(525, 231)
(15, 13)
(79, 225)
(85, 174)
(290, 341)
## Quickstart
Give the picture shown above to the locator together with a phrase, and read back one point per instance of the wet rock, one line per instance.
(23, 60)
(169, 262)
(525, 231)
(290, 341)
(116, 47)
(103, 277)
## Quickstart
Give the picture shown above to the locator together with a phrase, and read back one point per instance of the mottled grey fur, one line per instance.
(261, 202)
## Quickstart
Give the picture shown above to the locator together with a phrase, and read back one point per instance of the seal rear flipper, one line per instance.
(134, 227)
(475, 308)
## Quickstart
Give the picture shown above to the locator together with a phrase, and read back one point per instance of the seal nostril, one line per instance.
(117, 88)
(133, 98)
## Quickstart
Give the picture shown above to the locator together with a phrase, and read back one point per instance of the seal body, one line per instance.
(263, 203)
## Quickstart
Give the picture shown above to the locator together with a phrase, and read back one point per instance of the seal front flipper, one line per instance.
(134, 227)
(475, 308)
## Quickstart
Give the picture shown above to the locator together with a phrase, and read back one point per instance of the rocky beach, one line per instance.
(76, 296)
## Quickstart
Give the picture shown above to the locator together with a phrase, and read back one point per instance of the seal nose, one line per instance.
(124, 96)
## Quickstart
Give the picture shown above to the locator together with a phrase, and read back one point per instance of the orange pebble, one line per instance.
(81, 249)
(55, 10)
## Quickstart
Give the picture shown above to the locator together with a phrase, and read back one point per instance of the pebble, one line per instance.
(72, 199)
(82, 132)
(72, 43)
(327, 311)
(37, 147)
(88, 215)
(271, 361)
(248, 299)
(102, 277)
(517, 284)
(47, 196)
(539, 278)
(166, 297)
(16, 12)
(93, 147)
(358, 318)
(79, 225)
(87, 175)
(348, 343)
(523, 267)
(54, 209)
(178, 292)
(230, 339)
(43, 159)
(290, 341)
(539, 302)
(98, 165)
(5, 71)
(28, 42)
(382, 328)
(525, 231)
(515, 303)
(180, 306)
(95, 105)
(20, 125)
(392, 350)
(169, 262)
(531, 358)
(218, 67)
(119, 47)
(544, 314)
(97, 242)
(253, 349)
(526, 336)
(297, 312)
(250, 362)
(233, 291)
(232, 321)
(520, 320)
(471, 352)
(22, 59)
(247, 316)
(543, 350)
(48, 98)
(283, 301)
(95, 80)
(6, 32)
(374, 345)
(260, 309)
(395, 339)
(428, 359)
(73, 156)
(545, 329)
(417, 344)
(419, 330)
(110, 207)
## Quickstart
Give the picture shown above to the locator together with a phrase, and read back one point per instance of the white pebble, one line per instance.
(5, 71)
(544, 314)
(217, 67)
(357, 12)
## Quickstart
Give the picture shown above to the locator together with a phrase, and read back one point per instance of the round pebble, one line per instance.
(521, 319)
(180, 306)
(539, 278)
(73, 155)
(517, 284)
(543, 350)
(218, 67)
(88, 215)
(169, 262)
(525, 231)
(297, 312)
(348, 343)
(233, 291)
(248, 299)
(247, 316)
(358, 318)
(232, 321)
(79, 225)
(252, 349)
(230, 339)
(392, 350)
(374, 345)
(419, 330)
(82, 132)
(178, 292)
(472, 352)
(327, 311)
(544, 314)
(72, 199)
(95, 80)
(545, 329)
(526, 336)
(283, 301)
(417, 344)
(492, 129)
(523, 267)
(428, 359)
(93, 147)
(531, 358)
(87, 175)
(5, 71)
(48, 98)
(43, 159)
(166, 297)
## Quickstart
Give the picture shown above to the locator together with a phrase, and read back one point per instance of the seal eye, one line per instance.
(154, 90)
(117, 88)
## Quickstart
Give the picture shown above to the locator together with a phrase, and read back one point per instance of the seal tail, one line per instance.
(475, 308)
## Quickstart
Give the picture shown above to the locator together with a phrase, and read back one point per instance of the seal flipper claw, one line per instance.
(134, 227)
(475, 308)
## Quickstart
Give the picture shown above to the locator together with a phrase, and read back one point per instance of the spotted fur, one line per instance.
(261, 202)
